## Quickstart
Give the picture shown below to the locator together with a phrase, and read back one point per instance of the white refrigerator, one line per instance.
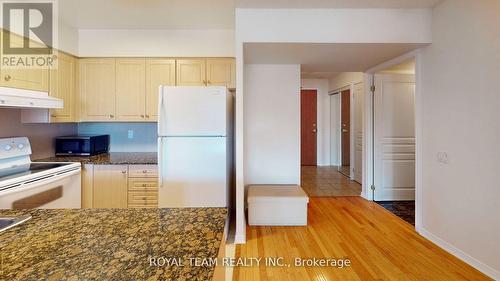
(194, 146)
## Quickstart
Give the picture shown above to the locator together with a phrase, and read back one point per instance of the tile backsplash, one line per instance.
(125, 137)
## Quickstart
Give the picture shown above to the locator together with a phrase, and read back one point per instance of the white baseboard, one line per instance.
(240, 239)
(486, 269)
(366, 196)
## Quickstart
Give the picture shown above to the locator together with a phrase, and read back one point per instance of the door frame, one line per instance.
(368, 143)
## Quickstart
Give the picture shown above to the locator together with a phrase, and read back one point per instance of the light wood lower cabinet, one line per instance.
(142, 193)
(119, 186)
(110, 186)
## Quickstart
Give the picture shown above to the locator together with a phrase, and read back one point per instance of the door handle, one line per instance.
(345, 131)
(314, 130)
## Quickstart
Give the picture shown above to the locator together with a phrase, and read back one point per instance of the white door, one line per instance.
(193, 111)
(193, 172)
(394, 152)
(358, 131)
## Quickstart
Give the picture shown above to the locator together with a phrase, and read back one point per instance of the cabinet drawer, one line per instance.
(143, 184)
(142, 198)
(142, 171)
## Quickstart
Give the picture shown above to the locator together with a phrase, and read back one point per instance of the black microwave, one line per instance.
(84, 145)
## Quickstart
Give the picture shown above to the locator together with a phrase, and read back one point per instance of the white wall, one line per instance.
(314, 26)
(161, 43)
(272, 124)
(460, 111)
(41, 136)
(323, 118)
(144, 139)
(344, 79)
(68, 38)
(334, 25)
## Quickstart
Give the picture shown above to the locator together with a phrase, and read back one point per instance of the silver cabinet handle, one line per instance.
(124, 172)
(345, 131)
(111, 116)
(7, 77)
(142, 116)
(147, 115)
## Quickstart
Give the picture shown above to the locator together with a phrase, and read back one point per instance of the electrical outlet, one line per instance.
(442, 157)
(130, 134)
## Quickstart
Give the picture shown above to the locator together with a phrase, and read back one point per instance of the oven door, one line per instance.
(73, 146)
(52, 192)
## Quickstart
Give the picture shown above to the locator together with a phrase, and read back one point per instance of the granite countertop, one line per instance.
(112, 158)
(110, 244)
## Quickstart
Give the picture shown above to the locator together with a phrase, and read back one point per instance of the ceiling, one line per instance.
(325, 60)
(194, 14)
(337, 4)
(148, 14)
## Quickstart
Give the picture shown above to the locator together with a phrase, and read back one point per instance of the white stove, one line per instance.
(27, 185)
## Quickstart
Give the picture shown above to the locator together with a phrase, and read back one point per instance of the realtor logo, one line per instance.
(29, 34)
(33, 21)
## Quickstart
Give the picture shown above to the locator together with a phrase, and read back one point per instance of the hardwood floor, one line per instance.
(379, 245)
(327, 181)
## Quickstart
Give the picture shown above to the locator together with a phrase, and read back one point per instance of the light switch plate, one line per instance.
(442, 157)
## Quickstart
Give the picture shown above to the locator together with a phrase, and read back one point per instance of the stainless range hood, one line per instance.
(19, 98)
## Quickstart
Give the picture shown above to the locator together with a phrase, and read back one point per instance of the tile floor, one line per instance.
(403, 209)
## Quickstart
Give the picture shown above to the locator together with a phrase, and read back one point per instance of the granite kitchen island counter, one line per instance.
(110, 244)
(111, 158)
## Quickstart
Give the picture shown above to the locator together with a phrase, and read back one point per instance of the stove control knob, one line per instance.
(7, 147)
(20, 146)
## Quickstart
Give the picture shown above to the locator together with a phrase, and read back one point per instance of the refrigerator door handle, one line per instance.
(160, 160)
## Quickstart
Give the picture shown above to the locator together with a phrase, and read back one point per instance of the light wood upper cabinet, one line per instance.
(31, 78)
(62, 86)
(221, 72)
(206, 72)
(158, 72)
(191, 72)
(110, 186)
(130, 89)
(97, 89)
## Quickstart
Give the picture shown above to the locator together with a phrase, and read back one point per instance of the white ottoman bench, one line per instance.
(277, 205)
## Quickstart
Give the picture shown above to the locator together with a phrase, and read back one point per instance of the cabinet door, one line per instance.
(24, 78)
(97, 89)
(130, 89)
(191, 72)
(110, 186)
(221, 72)
(158, 72)
(62, 86)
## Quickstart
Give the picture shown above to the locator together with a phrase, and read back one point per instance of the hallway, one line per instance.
(327, 181)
